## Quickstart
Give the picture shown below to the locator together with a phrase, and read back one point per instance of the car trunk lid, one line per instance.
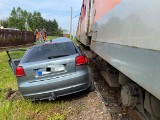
(49, 69)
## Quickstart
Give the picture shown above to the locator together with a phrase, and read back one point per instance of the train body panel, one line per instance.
(82, 29)
(127, 22)
(136, 63)
(91, 16)
(78, 32)
(133, 25)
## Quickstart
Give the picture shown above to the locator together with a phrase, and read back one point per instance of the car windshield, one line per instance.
(49, 51)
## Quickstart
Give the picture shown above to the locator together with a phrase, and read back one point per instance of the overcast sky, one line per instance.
(53, 9)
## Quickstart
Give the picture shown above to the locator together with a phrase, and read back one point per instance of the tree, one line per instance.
(18, 18)
(12, 22)
(4, 23)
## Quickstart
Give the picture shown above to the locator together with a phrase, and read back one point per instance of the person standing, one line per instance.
(44, 34)
(35, 35)
(40, 36)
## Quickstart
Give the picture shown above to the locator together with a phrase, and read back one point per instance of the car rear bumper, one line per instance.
(55, 87)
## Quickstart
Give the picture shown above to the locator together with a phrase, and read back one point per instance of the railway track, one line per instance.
(111, 96)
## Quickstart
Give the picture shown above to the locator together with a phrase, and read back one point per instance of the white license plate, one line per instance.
(51, 69)
(57, 68)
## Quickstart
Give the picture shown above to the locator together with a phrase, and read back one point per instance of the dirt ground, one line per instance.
(91, 108)
(82, 106)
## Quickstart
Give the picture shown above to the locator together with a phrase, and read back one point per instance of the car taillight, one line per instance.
(20, 72)
(80, 60)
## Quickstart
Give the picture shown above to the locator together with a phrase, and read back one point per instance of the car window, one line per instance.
(49, 51)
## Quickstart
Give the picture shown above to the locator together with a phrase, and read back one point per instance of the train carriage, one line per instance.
(126, 34)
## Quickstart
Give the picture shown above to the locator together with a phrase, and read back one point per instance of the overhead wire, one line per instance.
(75, 16)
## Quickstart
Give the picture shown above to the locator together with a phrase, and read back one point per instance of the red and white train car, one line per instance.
(126, 34)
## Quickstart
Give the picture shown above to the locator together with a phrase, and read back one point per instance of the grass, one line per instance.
(20, 109)
(75, 41)
(51, 37)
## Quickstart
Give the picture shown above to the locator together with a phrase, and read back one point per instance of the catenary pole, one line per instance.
(71, 25)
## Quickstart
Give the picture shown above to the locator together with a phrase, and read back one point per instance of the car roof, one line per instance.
(57, 40)
(61, 39)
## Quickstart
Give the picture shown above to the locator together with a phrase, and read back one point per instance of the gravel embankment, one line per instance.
(91, 108)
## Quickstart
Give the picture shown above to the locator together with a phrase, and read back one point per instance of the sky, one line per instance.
(53, 9)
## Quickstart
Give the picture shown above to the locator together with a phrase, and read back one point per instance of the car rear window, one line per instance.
(49, 51)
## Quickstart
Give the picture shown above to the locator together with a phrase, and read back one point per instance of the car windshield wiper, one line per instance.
(50, 57)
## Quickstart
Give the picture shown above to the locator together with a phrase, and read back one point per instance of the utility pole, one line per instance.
(71, 25)
(26, 25)
(73, 33)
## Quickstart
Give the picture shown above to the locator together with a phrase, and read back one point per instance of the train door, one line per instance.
(92, 13)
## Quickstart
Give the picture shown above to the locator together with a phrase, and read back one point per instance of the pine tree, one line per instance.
(18, 18)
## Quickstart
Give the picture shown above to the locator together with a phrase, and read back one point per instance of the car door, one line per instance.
(14, 56)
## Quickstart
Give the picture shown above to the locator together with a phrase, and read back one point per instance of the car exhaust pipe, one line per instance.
(52, 97)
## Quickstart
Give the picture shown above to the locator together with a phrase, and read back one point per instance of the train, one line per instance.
(126, 35)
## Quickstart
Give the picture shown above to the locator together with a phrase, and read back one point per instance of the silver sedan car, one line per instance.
(52, 69)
